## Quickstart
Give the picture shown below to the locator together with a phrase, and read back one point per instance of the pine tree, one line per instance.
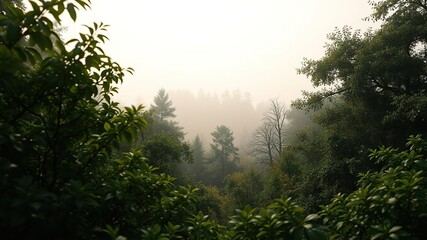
(163, 106)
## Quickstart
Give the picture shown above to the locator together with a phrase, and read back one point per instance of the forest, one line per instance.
(345, 161)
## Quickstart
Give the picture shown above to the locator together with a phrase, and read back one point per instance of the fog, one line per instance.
(218, 46)
(199, 114)
(221, 62)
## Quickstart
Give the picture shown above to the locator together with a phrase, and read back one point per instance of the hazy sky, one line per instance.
(218, 45)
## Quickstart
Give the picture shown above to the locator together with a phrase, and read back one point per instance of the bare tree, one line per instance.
(261, 145)
(268, 140)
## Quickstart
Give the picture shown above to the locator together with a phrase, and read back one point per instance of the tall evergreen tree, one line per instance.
(161, 118)
(163, 105)
(223, 147)
(162, 141)
(198, 168)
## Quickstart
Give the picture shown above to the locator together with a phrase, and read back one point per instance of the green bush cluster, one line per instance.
(389, 204)
(283, 219)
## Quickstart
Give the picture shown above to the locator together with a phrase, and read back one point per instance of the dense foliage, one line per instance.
(389, 204)
(75, 165)
(372, 92)
(61, 174)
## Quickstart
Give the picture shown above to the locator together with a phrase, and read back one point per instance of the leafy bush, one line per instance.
(389, 204)
(283, 219)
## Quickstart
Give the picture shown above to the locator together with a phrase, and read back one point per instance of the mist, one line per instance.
(200, 113)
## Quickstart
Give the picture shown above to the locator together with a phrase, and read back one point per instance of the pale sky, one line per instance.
(218, 45)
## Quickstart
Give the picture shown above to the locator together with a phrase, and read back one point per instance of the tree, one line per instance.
(157, 126)
(372, 92)
(62, 175)
(198, 150)
(384, 70)
(268, 140)
(198, 168)
(276, 116)
(162, 142)
(161, 119)
(223, 147)
(261, 145)
(244, 188)
(163, 106)
(215, 203)
(164, 151)
(62, 126)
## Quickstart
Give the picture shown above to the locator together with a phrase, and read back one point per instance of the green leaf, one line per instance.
(377, 236)
(35, 7)
(14, 11)
(83, 4)
(61, 8)
(102, 37)
(394, 229)
(21, 54)
(72, 11)
(46, 24)
(92, 61)
(71, 41)
(315, 234)
(107, 126)
(41, 40)
(13, 32)
(127, 135)
(312, 217)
